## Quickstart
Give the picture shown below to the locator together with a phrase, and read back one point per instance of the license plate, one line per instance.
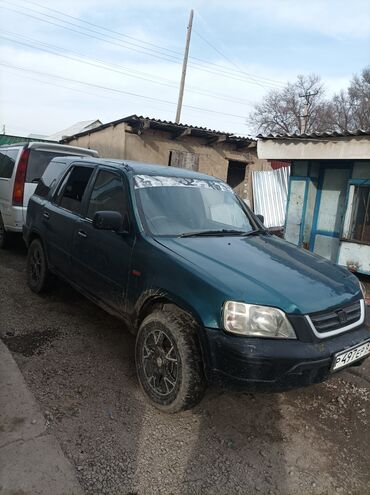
(344, 358)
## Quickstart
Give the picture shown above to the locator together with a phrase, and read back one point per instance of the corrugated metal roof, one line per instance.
(316, 135)
(83, 125)
(8, 139)
(270, 191)
(167, 125)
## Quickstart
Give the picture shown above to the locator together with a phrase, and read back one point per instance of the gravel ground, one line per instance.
(78, 362)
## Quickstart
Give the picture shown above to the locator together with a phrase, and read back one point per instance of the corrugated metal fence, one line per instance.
(270, 192)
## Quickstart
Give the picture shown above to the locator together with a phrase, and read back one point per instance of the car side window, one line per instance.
(108, 194)
(72, 189)
(7, 161)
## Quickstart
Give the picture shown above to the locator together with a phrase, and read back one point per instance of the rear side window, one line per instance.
(72, 189)
(37, 163)
(7, 161)
(53, 171)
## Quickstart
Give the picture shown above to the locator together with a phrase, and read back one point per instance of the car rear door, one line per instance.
(100, 258)
(37, 163)
(60, 215)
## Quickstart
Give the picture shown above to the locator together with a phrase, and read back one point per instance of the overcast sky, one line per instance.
(239, 51)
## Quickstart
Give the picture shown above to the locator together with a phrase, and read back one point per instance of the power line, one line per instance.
(129, 93)
(49, 83)
(261, 78)
(176, 52)
(220, 70)
(108, 66)
(102, 27)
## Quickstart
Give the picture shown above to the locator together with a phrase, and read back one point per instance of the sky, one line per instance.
(63, 62)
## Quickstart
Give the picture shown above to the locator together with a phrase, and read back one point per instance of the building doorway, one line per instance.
(236, 176)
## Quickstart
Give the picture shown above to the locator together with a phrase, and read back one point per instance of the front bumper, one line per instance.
(268, 364)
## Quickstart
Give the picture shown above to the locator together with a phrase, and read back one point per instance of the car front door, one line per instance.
(60, 215)
(101, 258)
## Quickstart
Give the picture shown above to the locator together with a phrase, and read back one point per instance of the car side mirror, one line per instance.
(261, 218)
(108, 220)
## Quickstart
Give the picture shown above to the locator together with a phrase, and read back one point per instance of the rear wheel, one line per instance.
(168, 360)
(38, 275)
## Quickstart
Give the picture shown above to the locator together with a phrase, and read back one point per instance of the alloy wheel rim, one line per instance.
(35, 265)
(160, 362)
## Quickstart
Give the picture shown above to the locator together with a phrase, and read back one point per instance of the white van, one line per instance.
(21, 167)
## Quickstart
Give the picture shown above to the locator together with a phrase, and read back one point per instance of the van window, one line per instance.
(53, 171)
(73, 187)
(37, 163)
(7, 161)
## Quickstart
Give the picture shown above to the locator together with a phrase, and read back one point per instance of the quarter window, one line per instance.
(72, 189)
(108, 194)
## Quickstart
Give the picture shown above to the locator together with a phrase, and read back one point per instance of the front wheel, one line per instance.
(168, 361)
(38, 275)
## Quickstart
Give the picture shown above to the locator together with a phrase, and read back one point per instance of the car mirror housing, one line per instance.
(108, 220)
(261, 218)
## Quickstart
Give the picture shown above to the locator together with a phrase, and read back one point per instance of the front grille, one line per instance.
(328, 321)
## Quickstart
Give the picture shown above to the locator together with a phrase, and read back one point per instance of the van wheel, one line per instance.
(168, 360)
(38, 275)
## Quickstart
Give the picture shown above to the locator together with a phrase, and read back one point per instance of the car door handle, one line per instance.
(81, 233)
(46, 215)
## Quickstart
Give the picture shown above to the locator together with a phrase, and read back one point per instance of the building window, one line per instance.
(360, 225)
(184, 159)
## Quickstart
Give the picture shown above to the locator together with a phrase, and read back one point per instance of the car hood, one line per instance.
(265, 269)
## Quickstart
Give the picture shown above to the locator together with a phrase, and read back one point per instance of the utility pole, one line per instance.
(304, 117)
(184, 66)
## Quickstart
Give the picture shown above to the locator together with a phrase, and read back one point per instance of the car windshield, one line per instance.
(175, 206)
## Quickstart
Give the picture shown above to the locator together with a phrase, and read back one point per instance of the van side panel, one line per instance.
(12, 216)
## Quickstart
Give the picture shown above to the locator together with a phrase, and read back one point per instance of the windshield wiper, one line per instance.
(222, 232)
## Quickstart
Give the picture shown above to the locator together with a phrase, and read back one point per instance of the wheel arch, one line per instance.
(153, 300)
(34, 234)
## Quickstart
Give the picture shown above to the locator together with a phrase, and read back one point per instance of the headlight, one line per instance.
(256, 321)
(363, 289)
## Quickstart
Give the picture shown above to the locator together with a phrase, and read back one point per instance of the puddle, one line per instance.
(30, 343)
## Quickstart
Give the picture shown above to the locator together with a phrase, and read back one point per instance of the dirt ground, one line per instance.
(78, 362)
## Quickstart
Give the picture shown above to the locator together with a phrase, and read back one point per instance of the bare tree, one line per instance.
(341, 112)
(282, 110)
(359, 100)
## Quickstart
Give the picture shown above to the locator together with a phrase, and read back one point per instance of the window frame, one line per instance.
(348, 223)
(355, 211)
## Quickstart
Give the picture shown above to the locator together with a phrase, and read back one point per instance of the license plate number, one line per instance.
(342, 359)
